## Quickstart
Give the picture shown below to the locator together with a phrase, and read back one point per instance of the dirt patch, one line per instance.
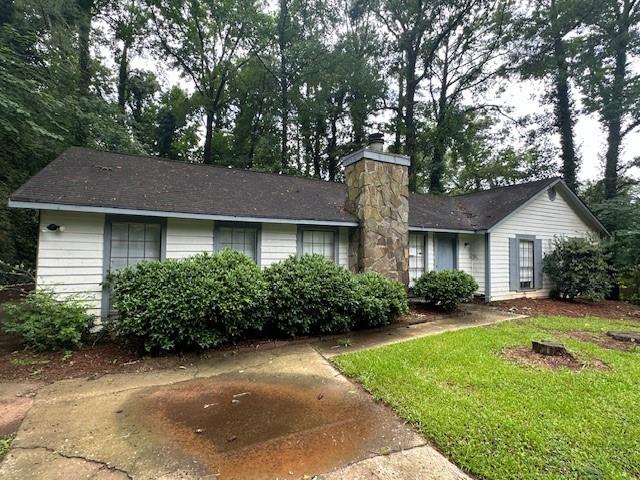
(273, 426)
(419, 312)
(525, 356)
(550, 306)
(601, 340)
(24, 365)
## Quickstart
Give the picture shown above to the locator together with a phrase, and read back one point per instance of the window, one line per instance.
(241, 238)
(416, 256)
(526, 263)
(133, 242)
(319, 242)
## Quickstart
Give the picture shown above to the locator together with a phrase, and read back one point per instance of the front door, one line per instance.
(446, 251)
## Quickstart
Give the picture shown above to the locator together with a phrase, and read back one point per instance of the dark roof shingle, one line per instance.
(91, 178)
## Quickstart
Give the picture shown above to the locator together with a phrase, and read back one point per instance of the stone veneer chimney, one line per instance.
(378, 194)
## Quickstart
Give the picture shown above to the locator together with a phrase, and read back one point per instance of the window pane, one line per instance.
(136, 249)
(416, 256)
(119, 232)
(238, 238)
(136, 232)
(319, 242)
(525, 254)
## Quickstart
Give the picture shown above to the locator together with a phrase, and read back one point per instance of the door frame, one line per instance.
(106, 249)
(454, 239)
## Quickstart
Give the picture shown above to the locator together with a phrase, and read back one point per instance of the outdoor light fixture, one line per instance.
(53, 227)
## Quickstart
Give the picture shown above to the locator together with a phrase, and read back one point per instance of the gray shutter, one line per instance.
(514, 270)
(537, 264)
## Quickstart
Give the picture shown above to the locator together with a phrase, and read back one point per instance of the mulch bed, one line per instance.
(549, 306)
(525, 356)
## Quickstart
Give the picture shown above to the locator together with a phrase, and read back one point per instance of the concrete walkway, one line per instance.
(281, 413)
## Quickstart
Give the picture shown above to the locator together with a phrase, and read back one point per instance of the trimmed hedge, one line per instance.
(196, 302)
(309, 295)
(45, 324)
(578, 268)
(445, 289)
(378, 300)
(206, 300)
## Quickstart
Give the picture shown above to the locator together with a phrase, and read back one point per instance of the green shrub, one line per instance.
(578, 268)
(309, 295)
(44, 323)
(378, 300)
(200, 301)
(630, 284)
(445, 289)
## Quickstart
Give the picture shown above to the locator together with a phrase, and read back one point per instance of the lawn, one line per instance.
(499, 419)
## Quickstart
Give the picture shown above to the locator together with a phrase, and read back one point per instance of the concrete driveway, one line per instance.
(285, 413)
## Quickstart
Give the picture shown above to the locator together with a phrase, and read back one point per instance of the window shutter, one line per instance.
(514, 271)
(537, 264)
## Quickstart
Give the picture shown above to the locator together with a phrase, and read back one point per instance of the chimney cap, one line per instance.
(377, 137)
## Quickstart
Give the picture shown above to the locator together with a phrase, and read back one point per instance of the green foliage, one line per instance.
(197, 302)
(630, 284)
(445, 289)
(578, 268)
(5, 445)
(378, 300)
(43, 323)
(309, 295)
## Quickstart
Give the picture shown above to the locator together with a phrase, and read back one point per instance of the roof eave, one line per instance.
(155, 213)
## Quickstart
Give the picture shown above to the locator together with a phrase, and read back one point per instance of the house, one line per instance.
(100, 211)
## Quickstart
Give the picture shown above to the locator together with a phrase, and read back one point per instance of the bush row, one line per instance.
(210, 299)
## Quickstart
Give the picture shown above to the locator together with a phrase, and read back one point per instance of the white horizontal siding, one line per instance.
(542, 218)
(70, 261)
(186, 237)
(471, 257)
(278, 242)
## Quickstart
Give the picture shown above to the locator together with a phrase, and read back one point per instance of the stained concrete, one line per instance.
(281, 413)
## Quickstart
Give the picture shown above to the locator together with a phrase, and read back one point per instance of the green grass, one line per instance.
(500, 420)
(5, 445)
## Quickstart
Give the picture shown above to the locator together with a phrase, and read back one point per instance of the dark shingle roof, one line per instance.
(473, 211)
(91, 178)
(100, 179)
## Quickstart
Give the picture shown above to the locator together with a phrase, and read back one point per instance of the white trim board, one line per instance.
(153, 213)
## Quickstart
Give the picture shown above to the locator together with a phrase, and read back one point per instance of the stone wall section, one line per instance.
(378, 194)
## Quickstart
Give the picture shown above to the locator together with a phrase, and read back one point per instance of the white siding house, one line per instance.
(97, 214)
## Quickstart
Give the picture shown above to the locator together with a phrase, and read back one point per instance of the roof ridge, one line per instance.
(219, 167)
(503, 187)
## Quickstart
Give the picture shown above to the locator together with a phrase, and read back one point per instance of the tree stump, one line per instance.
(545, 347)
(631, 337)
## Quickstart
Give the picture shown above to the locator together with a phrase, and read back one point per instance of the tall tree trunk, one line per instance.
(411, 85)
(207, 156)
(284, 82)
(397, 144)
(84, 32)
(564, 115)
(437, 167)
(123, 75)
(614, 107)
(331, 149)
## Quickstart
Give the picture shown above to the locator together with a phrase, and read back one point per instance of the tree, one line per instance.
(470, 59)
(545, 52)
(205, 41)
(418, 29)
(608, 83)
(176, 134)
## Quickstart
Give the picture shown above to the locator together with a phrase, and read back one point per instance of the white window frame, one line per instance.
(336, 240)
(218, 226)
(528, 257)
(422, 240)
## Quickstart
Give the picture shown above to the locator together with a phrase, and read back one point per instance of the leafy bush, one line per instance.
(44, 323)
(200, 301)
(630, 284)
(445, 289)
(309, 295)
(578, 268)
(378, 300)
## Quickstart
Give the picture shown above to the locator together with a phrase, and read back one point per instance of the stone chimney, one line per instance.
(378, 194)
